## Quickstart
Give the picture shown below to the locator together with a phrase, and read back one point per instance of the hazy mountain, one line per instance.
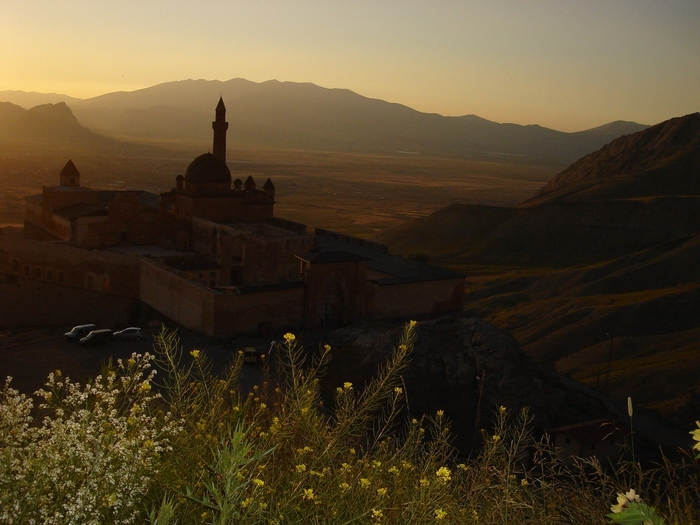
(600, 272)
(47, 122)
(306, 116)
(30, 99)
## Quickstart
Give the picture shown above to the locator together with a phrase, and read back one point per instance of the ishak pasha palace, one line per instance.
(209, 255)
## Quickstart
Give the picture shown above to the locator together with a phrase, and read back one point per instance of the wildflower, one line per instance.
(463, 467)
(440, 413)
(393, 470)
(376, 463)
(398, 390)
(624, 499)
(327, 348)
(145, 387)
(246, 502)
(424, 482)
(304, 450)
(364, 483)
(377, 514)
(501, 409)
(381, 492)
(262, 406)
(289, 338)
(347, 385)
(696, 436)
(258, 482)
(496, 438)
(352, 451)
(344, 486)
(523, 482)
(301, 467)
(195, 354)
(440, 514)
(308, 493)
(443, 475)
(412, 324)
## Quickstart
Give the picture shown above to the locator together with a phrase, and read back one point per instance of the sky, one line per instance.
(565, 64)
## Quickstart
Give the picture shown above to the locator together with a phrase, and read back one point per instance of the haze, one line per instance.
(565, 65)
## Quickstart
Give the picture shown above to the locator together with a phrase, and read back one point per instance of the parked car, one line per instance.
(78, 332)
(97, 337)
(132, 332)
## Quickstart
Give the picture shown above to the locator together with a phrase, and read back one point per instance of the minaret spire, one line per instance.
(220, 126)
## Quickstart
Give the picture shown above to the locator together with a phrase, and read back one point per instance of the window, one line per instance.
(38, 273)
(59, 276)
(49, 274)
(15, 265)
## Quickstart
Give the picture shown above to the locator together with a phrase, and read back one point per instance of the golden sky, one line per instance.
(565, 64)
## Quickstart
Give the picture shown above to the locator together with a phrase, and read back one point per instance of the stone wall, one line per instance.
(107, 272)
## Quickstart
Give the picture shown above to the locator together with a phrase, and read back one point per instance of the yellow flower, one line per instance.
(501, 409)
(145, 386)
(412, 324)
(495, 438)
(424, 482)
(381, 492)
(393, 470)
(327, 348)
(246, 502)
(523, 482)
(364, 483)
(440, 514)
(344, 486)
(347, 385)
(301, 468)
(398, 390)
(377, 514)
(443, 475)
(258, 482)
(195, 354)
(289, 338)
(309, 494)
(696, 436)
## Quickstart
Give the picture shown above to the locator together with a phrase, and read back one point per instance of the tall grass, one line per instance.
(189, 447)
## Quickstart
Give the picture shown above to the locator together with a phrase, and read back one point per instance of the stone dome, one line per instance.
(208, 169)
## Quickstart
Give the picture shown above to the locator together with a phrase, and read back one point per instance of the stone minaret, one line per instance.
(220, 126)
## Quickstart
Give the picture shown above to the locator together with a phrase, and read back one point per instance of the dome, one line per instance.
(208, 169)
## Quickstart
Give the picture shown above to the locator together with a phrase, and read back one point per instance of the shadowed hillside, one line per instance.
(600, 272)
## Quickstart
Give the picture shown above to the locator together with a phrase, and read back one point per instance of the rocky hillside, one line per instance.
(468, 368)
(599, 274)
(660, 160)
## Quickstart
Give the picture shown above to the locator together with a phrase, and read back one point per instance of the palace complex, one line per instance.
(209, 255)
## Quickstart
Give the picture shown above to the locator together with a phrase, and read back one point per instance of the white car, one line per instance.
(129, 333)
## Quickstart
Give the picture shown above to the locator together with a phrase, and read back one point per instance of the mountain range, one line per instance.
(600, 272)
(306, 116)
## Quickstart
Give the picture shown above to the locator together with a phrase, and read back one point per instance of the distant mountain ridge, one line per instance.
(306, 116)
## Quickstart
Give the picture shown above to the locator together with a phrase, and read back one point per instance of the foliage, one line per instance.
(192, 448)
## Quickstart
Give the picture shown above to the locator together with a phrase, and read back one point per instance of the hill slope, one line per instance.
(600, 272)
